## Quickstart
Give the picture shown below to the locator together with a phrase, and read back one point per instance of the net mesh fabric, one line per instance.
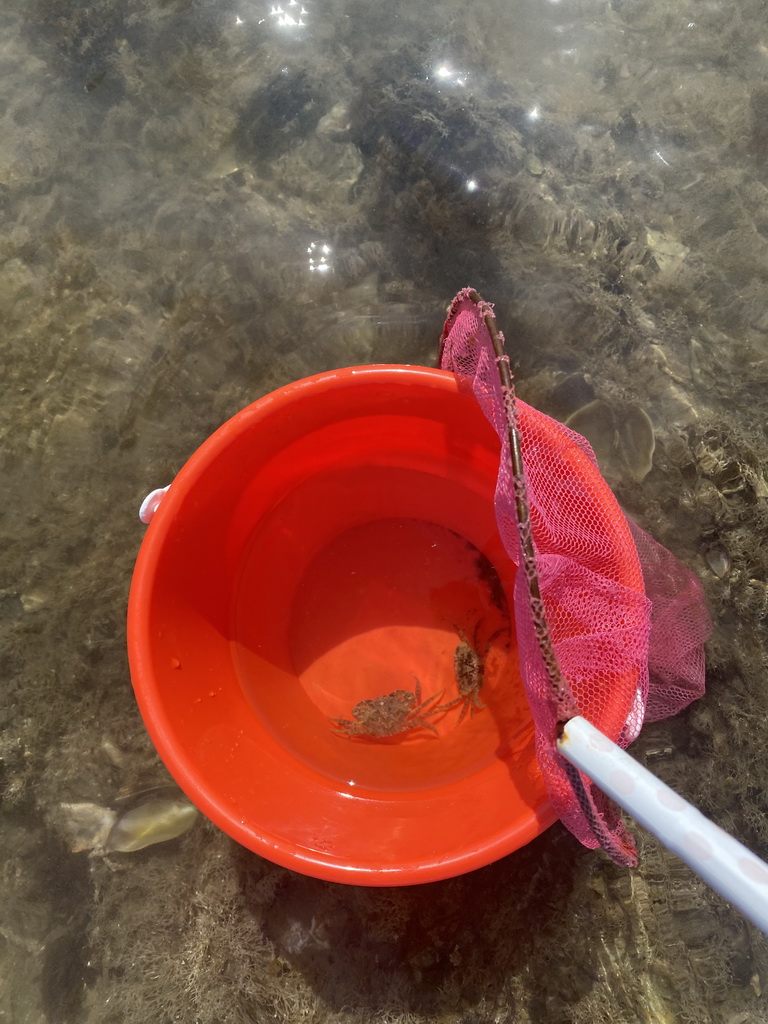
(627, 621)
(680, 625)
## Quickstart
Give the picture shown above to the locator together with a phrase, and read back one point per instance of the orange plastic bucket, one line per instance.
(322, 549)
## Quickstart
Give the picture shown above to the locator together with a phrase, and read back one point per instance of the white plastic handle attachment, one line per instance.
(151, 503)
(730, 868)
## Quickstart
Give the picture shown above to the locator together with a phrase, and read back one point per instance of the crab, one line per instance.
(389, 714)
(469, 667)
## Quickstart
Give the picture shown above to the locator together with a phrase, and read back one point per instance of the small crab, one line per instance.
(469, 667)
(389, 714)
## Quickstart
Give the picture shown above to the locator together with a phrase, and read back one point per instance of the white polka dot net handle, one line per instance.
(730, 868)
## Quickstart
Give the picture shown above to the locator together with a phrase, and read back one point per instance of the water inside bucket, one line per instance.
(380, 610)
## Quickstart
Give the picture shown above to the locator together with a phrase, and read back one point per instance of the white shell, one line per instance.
(88, 825)
(719, 561)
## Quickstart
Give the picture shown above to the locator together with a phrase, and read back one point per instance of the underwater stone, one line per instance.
(625, 128)
(533, 165)
(282, 113)
(668, 253)
(33, 601)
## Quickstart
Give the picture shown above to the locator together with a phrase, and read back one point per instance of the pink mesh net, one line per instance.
(609, 624)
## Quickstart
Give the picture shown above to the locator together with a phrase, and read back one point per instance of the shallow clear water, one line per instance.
(203, 201)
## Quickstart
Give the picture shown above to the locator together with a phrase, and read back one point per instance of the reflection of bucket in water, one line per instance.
(320, 552)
